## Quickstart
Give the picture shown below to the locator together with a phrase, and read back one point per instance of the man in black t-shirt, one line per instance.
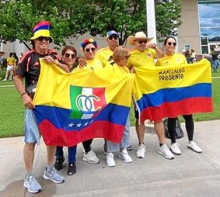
(29, 69)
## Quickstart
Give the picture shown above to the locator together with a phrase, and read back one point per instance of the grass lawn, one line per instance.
(12, 110)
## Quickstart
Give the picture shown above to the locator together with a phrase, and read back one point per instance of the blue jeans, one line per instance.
(71, 153)
(125, 141)
(215, 64)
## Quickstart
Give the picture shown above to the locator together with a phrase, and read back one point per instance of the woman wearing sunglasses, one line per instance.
(172, 58)
(89, 47)
(68, 58)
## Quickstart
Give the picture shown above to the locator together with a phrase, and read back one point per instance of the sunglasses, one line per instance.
(90, 49)
(171, 43)
(142, 41)
(43, 38)
(113, 37)
(127, 56)
(70, 55)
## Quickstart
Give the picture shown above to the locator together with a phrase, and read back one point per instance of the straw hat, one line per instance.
(42, 29)
(138, 36)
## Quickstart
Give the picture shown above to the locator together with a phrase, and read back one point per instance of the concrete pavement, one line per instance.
(188, 175)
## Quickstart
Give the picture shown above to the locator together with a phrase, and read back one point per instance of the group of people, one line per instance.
(12, 63)
(143, 54)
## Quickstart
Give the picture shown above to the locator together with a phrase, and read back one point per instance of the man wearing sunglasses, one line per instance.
(29, 68)
(143, 56)
(105, 54)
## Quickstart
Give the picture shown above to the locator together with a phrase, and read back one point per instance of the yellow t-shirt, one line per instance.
(175, 59)
(94, 64)
(120, 70)
(142, 60)
(104, 55)
(11, 61)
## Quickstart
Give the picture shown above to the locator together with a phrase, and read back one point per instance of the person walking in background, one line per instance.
(173, 58)
(142, 56)
(10, 65)
(69, 55)
(29, 69)
(15, 67)
(1, 61)
(215, 51)
(192, 56)
(120, 58)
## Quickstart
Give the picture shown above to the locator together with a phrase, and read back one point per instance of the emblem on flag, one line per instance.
(86, 103)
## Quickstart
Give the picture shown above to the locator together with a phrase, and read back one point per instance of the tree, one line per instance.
(73, 18)
(18, 18)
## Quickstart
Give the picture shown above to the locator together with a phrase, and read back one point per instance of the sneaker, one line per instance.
(31, 184)
(53, 176)
(110, 160)
(175, 149)
(141, 151)
(164, 151)
(4, 80)
(71, 169)
(192, 145)
(91, 157)
(59, 163)
(125, 156)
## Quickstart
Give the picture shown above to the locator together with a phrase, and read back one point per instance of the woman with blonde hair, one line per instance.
(120, 58)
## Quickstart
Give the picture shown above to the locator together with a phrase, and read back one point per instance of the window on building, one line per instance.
(209, 23)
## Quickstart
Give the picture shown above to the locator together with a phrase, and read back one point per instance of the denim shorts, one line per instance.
(32, 134)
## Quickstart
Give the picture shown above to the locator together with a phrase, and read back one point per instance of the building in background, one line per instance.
(201, 25)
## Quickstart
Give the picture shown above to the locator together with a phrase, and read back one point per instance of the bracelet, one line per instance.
(22, 94)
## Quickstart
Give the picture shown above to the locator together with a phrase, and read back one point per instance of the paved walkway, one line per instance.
(188, 175)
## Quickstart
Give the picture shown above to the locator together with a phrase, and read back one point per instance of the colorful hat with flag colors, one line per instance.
(42, 29)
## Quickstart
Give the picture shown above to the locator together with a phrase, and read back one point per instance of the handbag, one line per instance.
(178, 131)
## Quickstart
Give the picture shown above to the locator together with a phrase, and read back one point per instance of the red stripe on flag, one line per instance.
(174, 109)
(60, 137)
(100, 93)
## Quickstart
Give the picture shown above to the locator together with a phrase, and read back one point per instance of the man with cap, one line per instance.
(29, 68)
(143, 56)
(104, 54)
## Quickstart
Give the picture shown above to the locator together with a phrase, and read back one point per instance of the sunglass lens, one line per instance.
(113, 37)
(68, 55)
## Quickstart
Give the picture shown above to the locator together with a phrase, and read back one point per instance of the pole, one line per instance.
(151, 20)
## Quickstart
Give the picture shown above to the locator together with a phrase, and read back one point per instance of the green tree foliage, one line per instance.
(72, 18)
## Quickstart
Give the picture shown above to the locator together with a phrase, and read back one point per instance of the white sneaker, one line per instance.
(91, 157)
(125, 156)
(4, 80)
(164, 151)
(192, 145)
(175, 149)
(110, 160)
(141, 151)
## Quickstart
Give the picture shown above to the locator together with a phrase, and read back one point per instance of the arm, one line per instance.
(159, 51)
(51, 60)
(27, 100)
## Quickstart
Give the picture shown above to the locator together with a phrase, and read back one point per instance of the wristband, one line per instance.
(22, 94)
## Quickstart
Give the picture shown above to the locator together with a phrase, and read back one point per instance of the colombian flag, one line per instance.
(85, 104)
(169, 91)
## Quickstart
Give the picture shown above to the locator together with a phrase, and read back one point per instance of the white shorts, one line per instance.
(9, 67)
